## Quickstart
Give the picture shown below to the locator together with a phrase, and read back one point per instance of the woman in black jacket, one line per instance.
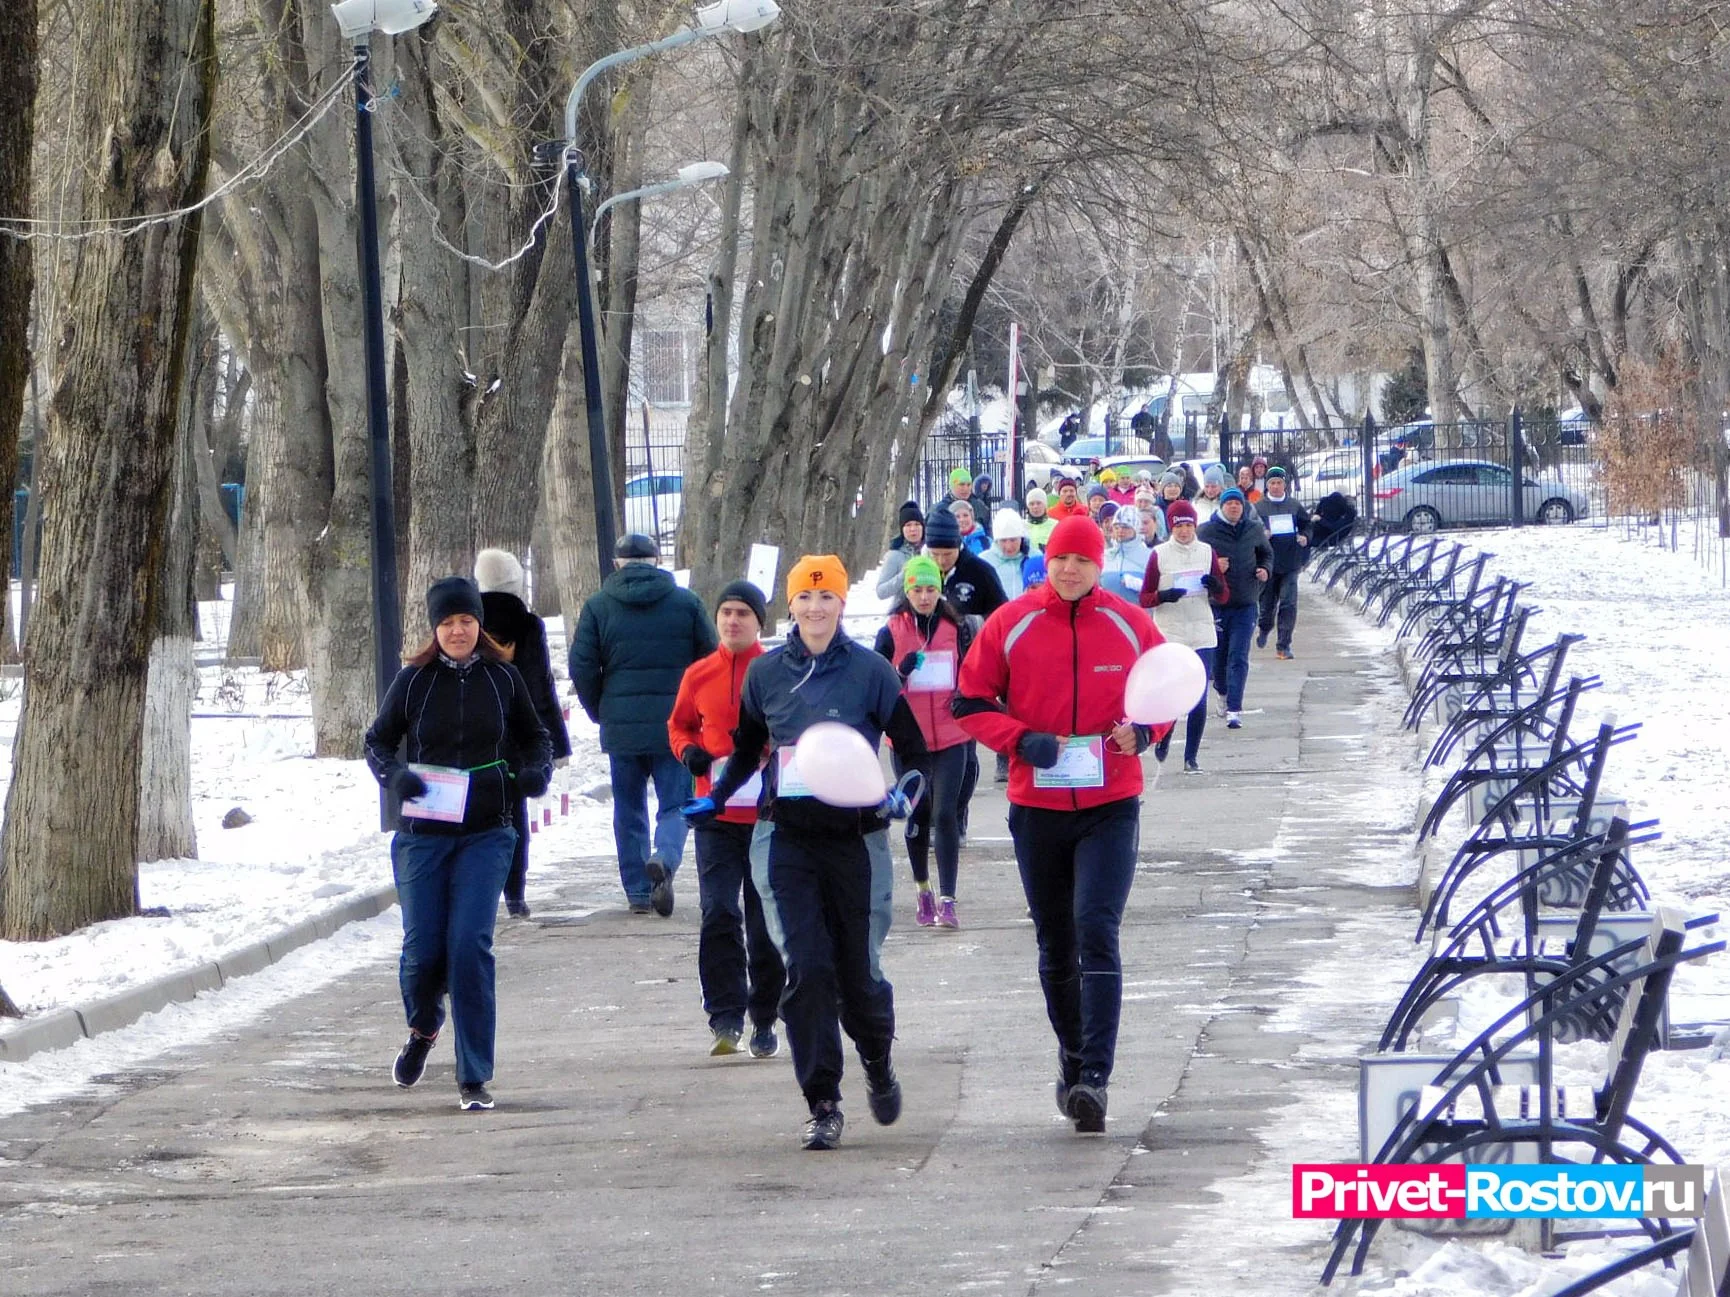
(523, 637)
(474, 744)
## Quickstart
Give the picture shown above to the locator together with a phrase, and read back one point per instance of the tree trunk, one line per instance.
(441, 468)
(245, 618)
(165, 830)
(569, 505)
(72, 809)
(17, 119)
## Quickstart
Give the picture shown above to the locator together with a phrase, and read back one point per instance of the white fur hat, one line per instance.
(498, 569)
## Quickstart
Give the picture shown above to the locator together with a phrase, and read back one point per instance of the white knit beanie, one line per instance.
(1006, 524)
(498, 570)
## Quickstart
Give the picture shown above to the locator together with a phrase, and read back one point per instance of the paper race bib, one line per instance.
(446, 796)
(1282, 524)
(748, 793)
(1188, 582)
(936, 673)
(788, 783)
(1081, 764)
(1131, 581)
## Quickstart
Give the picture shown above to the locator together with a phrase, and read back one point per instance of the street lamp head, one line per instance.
(392, 17)
(737, 15)
(695, 173)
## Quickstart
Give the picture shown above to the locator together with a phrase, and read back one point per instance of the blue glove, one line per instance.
(699, 810)
(531, 781)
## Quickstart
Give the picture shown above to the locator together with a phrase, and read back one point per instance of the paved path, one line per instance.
(622, 1159)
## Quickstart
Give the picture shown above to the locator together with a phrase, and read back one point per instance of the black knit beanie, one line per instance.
(910, 512)
(453, 595)
(749, 595)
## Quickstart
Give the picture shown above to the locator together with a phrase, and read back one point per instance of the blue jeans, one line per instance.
(1235, 628)
(631, 777)
(1076, 868)
(448, 886)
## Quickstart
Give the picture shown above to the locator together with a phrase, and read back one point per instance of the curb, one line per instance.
(59, 1028)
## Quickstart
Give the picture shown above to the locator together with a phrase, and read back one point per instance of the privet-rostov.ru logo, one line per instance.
(1329, 1191)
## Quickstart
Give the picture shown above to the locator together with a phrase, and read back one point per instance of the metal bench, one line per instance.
(1705, 1270)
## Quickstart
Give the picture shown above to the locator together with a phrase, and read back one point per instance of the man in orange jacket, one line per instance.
(1069, 503)
(737, 963)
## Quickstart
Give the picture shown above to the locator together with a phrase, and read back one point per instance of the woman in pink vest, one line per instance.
(925, 639)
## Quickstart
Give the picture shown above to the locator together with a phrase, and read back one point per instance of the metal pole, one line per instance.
(1516, 467)
(386, 610)
(598, 467)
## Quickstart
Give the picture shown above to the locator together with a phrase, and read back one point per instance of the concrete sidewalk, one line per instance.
(621, 1159)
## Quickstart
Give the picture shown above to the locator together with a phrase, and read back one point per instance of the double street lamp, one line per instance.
(712, 20)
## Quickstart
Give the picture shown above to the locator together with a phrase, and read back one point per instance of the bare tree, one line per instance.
(142, 119)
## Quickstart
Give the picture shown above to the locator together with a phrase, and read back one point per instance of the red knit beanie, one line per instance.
(1077, 535)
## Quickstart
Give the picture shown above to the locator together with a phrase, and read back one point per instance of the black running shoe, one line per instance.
(1068, 1073)
(474, 1098)
(765, 1043)
(1163, 748)
(661, 894)
(882, 1091)
(1087, 1108)
(823, 1131)
(411, 1059)
(516, 907)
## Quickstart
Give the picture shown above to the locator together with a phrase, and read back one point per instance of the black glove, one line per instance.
(531, 781)
(407, 785)
(1038, 750)
(1170, 596)
(909, 664)
(1210, 583)
(696, 761)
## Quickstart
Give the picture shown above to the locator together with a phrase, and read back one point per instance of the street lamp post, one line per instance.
(712, 20)
(358, 19)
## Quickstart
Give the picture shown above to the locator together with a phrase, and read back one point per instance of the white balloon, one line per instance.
(1164, 684)
(839, 766)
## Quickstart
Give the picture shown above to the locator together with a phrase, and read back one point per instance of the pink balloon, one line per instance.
(838, 766)
(1165, 682)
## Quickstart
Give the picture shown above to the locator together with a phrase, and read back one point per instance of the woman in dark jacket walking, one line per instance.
(474, 745)
(523, 637)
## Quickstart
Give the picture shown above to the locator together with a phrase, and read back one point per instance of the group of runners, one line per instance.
(1022, 643)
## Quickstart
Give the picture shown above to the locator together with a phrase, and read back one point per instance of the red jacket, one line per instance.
(1060, 510)
(706, 713)
(1044, 665)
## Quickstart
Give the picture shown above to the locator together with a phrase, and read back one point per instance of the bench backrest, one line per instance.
(1638, 1024)
(1707, 1271)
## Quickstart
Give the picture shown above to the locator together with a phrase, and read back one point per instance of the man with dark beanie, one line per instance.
(1044, 684)
(634, 640)
(737, 963)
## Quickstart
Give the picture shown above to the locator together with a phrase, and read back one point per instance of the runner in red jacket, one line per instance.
(737, 963)
(1044, 683)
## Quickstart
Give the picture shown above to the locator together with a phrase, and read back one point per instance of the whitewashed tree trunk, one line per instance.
(165, 829)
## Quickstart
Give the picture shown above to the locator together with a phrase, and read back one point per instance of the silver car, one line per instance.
(1467, 492)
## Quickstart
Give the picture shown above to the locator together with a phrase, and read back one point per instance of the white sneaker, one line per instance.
(1234, 720)
(1219, 705)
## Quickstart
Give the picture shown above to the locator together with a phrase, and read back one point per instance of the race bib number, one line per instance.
(1283, 524)
(1081, 764)
(446, 796)
(1188, 582)
(788, 782)
(934, 674)
(748, 793)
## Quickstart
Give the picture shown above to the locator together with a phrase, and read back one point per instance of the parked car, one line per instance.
(1039, 463)
(1328, 471)
(1084, 450)
(1463, 492)
(1130, 465)
(652, 504)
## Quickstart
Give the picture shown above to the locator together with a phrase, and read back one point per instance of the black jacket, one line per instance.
(1288, 555)
(1244, 545)
(786, 692)
(478, 718)
(508, 620)
(634, 640)
(972, 587)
